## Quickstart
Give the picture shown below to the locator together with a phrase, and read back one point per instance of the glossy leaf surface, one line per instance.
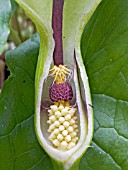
(19, 148)
(104, 51)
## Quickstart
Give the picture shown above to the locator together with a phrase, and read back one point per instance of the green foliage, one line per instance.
(19, 148)
(104, 50)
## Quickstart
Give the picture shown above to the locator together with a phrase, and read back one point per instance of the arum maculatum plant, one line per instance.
(63, 107)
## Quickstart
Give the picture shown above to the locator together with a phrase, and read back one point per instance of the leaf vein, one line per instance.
(109, 155)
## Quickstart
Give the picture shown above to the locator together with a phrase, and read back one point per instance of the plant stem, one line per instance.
(57, 17)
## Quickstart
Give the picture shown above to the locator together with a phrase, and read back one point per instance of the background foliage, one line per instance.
(104, 50)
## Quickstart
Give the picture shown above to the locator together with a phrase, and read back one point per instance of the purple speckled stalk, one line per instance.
(57, 17)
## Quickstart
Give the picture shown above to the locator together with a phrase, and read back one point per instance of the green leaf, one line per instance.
(104, 50)
(19, 148)
(5, 13)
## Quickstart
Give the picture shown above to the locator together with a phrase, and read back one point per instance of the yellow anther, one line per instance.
(59, 73)
(56, 103)
(67, 103)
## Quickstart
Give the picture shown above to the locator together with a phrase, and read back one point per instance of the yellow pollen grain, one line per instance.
(61, 119)
(54, 108)
(64, 144)
(67, 117)
(61, 128)
(64, 133)
(73, 134)
(57, 123)
(74, 126)
(60, 137)
(70, 129)
(52, 136)
(64, 111)
(56, 131)
(58, 114)
(56, 142)
(66, 124)
(52, 118)
(71, 122)
(68, 138)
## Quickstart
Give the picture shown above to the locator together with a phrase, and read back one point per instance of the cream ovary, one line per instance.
(62, 125)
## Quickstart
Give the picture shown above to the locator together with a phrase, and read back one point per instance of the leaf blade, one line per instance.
(104, 54)
(16, 111)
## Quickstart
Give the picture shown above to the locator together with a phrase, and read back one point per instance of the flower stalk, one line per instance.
(62, 116)
(57, 18)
